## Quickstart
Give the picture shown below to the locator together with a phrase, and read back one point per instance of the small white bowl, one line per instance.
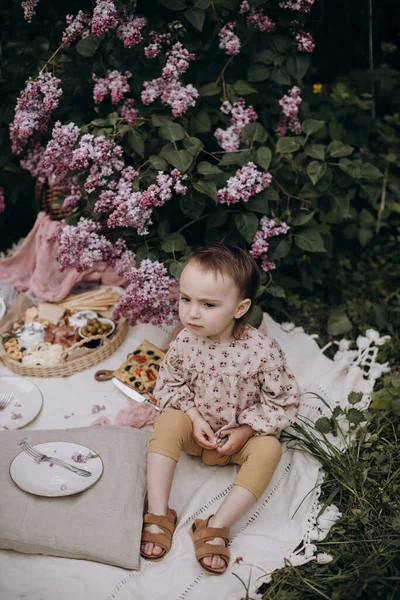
(80, 318)
(102, 320)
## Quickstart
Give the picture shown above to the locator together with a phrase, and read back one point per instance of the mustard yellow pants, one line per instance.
(258, 458)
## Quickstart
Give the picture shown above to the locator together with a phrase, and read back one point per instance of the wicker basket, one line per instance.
(70, 367)
(47, 199)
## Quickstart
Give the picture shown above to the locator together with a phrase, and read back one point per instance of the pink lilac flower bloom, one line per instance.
(229, 139)
(78, 27)
(259, 246)
(126, 262)
(105, 17)
(134, 209)
(228, 40)
(72, 200)
(147, 298)
(115, 83)
(303, 6)
(247, 182)
(117, 192)
(128, 112)
(33, 159)
(154, 49)
(130, 29)
(168, 87)
(58, 153)
(305, 42)
(29, 7)
(2, 203)
(83, 246)
(290, 112)
(256, 18)
(104, 156)
(34, 107)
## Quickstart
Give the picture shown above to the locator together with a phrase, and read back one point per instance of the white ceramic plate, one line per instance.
(51, 480)
(25, 405)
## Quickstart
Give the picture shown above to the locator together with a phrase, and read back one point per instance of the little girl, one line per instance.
(226, 393)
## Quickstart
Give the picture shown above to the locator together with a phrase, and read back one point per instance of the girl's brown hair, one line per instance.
(239, 265)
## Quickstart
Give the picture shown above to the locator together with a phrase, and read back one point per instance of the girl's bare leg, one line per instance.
(235, 505)
(160, 472)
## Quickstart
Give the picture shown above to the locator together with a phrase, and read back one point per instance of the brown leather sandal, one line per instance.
(163, 540)
(201, 533)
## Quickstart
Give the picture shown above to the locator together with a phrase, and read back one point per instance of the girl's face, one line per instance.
(209, 303)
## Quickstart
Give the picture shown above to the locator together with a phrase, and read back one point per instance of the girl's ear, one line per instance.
(242, 308)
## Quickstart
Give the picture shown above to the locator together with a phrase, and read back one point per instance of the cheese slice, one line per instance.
(50, 312)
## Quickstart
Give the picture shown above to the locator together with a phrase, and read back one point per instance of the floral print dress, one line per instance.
(242, 382)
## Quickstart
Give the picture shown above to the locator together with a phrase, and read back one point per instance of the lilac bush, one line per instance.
(191, 130)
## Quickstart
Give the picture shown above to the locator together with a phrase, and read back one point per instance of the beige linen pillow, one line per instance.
(103, 523)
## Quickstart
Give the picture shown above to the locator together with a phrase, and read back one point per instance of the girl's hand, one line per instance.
(237, 437)
(203, 434)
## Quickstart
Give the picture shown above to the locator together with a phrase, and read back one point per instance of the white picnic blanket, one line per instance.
(261, 541)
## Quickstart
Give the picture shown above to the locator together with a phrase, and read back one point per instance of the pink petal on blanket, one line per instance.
(102, 421)
(136, 415)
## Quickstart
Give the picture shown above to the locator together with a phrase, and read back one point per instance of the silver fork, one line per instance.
(5, 399)
(39, 457)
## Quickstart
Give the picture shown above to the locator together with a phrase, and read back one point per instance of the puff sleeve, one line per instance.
(278, 401)
(172, 390)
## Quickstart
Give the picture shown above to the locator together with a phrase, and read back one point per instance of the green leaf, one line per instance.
(323, 425)
(364, 236)
(201, 122)
(381, 400)
(368, 171)
(247, 225)
(193, 145)
(206, 187)
(174, 242)
(180, 159)
(254, 132)
(316, 170)
(202, 4)
(287, 145)
(196, 17)
(193, 204)
(163, 229)
(136, 142)
(258, 204)
(263, 157)
(158, 163)
(176, 268)
(174, 4)
(337, 149)
(258, 73)
(310, 126)
(255, 317)
(310, 240)
(206, 168)
(355, 416)
(338, 323)
(172, 132)
(316, 151)
(352, 168)
(276, 290)
(281, 250)
(160, 120)
(298, 66)
(354, 397)
(303, 217)
(230, 158)
(88, 46)
(281, 75)
(281, 43)
(243, 88)
(269, 57)
(210, 89)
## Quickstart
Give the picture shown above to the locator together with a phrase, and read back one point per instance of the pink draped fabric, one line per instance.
(35, 267)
